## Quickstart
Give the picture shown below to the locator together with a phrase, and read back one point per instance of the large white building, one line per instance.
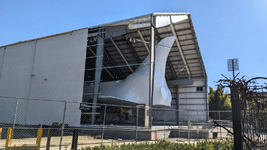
(95, 64)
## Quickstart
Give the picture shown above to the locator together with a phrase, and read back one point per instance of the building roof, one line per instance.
(184, 60)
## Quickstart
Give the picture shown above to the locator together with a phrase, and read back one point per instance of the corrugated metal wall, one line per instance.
(48, 68)
(16, 69)
(185, 99)
(193, 100)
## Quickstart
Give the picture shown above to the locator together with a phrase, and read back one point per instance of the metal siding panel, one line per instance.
(182, 26)
(191, 97)
(16, 71)
(188, 47)
(2, 50)
(192, 101)
(184, 32)
(187, 42)
(7, 110)
(190, 52)
(60, 60)
(59, 74)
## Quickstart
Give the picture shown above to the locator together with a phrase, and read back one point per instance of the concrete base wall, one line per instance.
(150, 134)
(193, 134)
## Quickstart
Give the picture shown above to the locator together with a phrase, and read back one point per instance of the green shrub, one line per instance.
(162, 144)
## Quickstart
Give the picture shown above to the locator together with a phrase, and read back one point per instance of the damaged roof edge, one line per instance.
(143, 16)
(97, 26)
(198, 48)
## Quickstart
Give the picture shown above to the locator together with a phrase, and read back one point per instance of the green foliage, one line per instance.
(165, 145)
(218, 100)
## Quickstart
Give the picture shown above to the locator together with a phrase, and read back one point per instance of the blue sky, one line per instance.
(225, 28)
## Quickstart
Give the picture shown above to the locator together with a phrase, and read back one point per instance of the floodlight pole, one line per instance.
(152, 68)
(236, 113)
(238, 140)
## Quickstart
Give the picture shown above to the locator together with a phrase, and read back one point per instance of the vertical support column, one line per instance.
(164, 123)
(98, 71)
(136, 129)
(152, 67)
(206, 97)
(147, 118)
(188, 127)
(177, 103)
(104, 122)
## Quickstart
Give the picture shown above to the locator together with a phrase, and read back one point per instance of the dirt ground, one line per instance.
(87, 141)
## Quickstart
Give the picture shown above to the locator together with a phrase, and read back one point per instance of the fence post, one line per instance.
(220, 127)
(8, 136)
(74, 139)
(188, 127)
(164, 122)
(48, 139)
(136, 129)
(198, 131)
(63, 124)
(14, 122)
(104, 121)
(39, 137)
(178, 125)
(0, 133)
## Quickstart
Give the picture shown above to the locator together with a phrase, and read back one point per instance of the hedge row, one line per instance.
(165, 145)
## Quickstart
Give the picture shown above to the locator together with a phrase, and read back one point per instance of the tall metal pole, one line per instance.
(238, 140)
(152, 67)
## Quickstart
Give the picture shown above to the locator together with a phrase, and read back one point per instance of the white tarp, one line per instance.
(135, 87)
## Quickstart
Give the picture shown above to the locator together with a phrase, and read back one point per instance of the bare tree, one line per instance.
(253, 103)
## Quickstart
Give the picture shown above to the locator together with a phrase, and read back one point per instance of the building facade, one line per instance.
(152, 60)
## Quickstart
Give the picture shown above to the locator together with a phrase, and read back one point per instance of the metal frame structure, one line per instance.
(184, 65)
(115, 50)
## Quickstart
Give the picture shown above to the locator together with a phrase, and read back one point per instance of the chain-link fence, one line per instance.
(55, 124)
